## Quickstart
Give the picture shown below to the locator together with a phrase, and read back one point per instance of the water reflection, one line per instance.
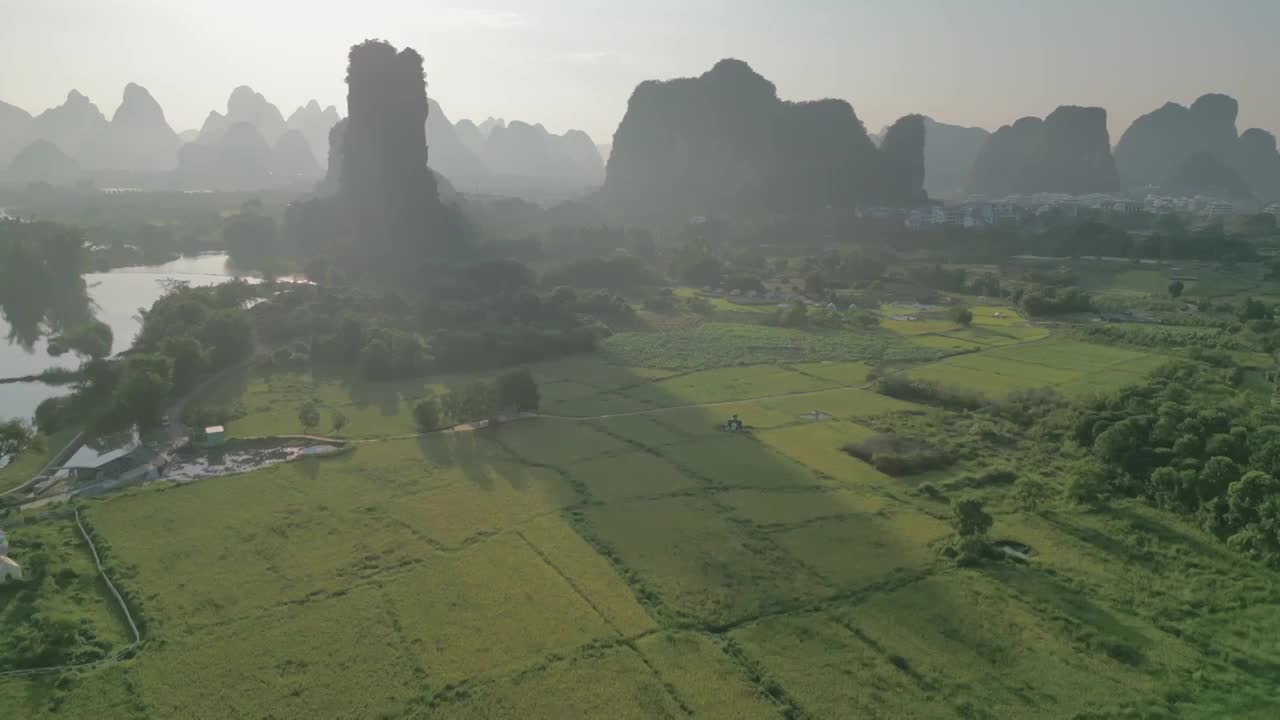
(31, 312)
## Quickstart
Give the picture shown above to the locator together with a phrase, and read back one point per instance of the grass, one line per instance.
(61, 584)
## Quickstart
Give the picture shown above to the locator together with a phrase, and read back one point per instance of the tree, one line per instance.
(427, 414)
(338, 421)
(518, 389)
(1175, 289)
(969, 518)
(1031, 494)
(228, 335)
(962, 316)
(145, 383)
(15, 437)
(189, 359)
(1216, 477)
(1087, 486)
(477, 401)
(309, 415)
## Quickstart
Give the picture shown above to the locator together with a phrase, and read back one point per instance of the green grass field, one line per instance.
(1073, 368)
(653, 564)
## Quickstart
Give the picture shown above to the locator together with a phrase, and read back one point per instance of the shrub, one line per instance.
(896, 455)
(924, 391)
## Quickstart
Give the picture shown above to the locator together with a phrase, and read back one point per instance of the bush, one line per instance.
(427, 414)
(898, 456)
(931, 393)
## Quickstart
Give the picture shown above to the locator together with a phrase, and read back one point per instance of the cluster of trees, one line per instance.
(1187, 441)
(514, 391)
(93, 340)
(187, 334)
(1041, 300)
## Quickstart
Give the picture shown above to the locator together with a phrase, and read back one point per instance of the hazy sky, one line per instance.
(574, 63)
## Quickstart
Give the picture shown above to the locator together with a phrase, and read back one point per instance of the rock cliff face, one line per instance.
(1160, 149)
(1067, 152)
(384, 181)
(902, 153)
(138, 137)
(314, 124)
(72, 126)
(724, 142)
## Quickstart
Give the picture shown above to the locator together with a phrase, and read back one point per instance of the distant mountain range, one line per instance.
(252, 145)
(719, 140)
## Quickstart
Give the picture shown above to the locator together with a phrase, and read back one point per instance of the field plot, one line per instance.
(779, 509)
(705, 678)
(558, 442)
(725, 385)
(1073, 366)
(739, 461)
(701, 566)
(818, 446)
(506, 607)
(713, 345)
(589, 573)
(841, 373)
(831, 673)
(282, 664)
(633, 475)
(855, 551)
(269, 537)
(612, 683)
(957, 632)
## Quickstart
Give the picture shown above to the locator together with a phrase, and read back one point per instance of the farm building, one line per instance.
(215, 435)
(9, 570)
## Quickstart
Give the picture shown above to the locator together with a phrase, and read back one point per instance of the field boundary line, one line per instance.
(137, 636)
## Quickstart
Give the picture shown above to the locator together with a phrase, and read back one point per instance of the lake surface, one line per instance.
(114, 297)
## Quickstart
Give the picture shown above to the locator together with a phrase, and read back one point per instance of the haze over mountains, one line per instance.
(702, 144)
(252, 145)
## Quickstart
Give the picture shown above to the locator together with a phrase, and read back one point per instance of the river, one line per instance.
(114, 297)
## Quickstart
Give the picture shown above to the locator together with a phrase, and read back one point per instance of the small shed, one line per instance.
(9, 570)
(215, 435)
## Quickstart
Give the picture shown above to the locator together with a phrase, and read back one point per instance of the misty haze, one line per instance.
(658, 360)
